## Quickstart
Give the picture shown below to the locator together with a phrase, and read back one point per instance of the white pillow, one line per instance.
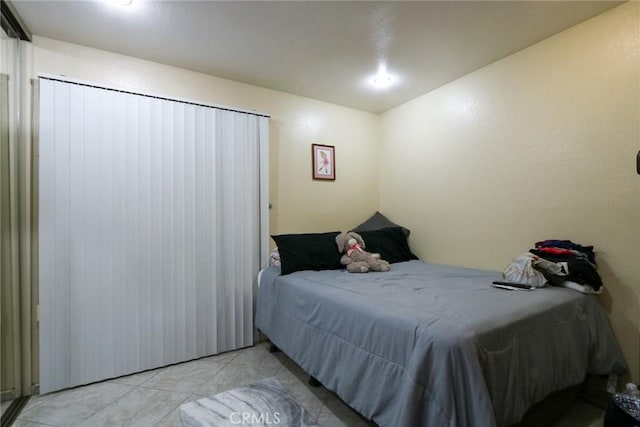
(274, 258)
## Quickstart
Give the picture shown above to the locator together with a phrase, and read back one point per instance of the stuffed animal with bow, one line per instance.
(356, 258)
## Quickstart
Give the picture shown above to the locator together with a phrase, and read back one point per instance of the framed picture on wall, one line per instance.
(324, 161)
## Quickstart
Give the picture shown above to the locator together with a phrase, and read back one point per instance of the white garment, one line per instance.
(520, 270)
(585, 289)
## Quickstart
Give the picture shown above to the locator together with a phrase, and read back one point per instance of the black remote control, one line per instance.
(512, 284)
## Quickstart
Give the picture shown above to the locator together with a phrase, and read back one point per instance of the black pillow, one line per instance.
(312, 251)
(390, 243)
(378, 221)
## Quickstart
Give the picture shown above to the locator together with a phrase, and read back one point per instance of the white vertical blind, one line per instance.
(153, 225)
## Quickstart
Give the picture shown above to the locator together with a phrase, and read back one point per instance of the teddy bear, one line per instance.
(356, 258)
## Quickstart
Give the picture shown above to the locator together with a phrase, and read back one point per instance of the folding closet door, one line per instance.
(151, 231)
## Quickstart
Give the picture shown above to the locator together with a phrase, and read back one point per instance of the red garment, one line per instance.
(556, 251)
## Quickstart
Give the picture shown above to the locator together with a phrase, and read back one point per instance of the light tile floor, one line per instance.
(153, 398)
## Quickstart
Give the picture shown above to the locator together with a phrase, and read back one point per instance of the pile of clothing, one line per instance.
(559, 263)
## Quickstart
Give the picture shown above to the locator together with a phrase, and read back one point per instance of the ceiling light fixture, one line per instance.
(382, 80)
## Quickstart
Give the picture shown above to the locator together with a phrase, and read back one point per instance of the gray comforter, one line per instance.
(433, 345)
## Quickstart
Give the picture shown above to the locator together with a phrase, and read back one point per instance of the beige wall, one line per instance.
(539, 145)
(299, 203)
(9, 360)
(15, 210)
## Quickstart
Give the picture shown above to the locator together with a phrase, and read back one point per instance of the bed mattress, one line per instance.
(434, 345)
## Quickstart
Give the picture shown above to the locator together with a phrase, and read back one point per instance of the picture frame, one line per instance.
(323, 162)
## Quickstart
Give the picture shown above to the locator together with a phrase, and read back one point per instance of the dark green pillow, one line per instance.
(391, 243)
(311, 251)
(378, 221)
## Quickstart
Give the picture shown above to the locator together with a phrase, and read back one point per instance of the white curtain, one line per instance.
(152, 228)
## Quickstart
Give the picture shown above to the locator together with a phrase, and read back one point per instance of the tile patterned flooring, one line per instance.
(153, 398)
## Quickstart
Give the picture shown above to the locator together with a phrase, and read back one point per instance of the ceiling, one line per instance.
(328, 50)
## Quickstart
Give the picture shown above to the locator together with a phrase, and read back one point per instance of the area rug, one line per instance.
(265, 403)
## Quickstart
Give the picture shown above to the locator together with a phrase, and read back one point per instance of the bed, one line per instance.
(434, 345)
